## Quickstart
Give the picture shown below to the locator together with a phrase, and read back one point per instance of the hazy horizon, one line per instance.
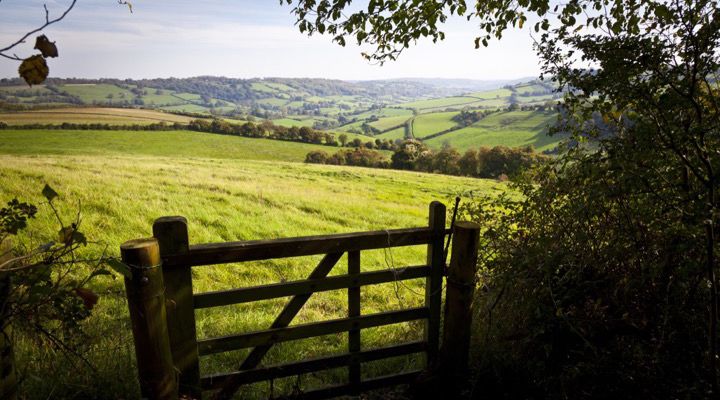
(401, 78)
(244, 39)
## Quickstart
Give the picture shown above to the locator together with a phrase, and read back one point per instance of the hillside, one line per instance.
(124, 180)
(164, 144)
(392, 109)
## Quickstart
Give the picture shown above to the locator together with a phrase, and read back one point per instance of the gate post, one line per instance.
(459, 299)
(146, 302)
(433, 283)
(172, 236)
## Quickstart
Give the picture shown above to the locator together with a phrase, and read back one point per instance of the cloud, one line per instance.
(243, 39)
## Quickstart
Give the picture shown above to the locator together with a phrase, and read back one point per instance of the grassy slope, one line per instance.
(96, 92)
(518, 128)
(427, 124)
(389, 122)
(398, 133)
(87, 115)
(439, 102)
(166, 143)
(122, 190)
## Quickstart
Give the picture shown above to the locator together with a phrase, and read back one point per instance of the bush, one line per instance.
(317, 157)
(590, 288)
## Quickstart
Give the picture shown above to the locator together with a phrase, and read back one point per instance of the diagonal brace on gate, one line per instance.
(291, 309)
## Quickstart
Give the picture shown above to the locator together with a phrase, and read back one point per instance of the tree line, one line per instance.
(414, 155)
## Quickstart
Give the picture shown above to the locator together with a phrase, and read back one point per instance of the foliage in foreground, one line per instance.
(43, 286)
(602, 283)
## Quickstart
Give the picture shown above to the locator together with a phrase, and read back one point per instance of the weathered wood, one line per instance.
(340, 390)
(172, 236)
(459, 300)
(217, 381)
(146, 302)
(354, 371)
(271, 336)
(222, 253)
(433, 284)
(281, 321)
(264, 292)
(8, 374)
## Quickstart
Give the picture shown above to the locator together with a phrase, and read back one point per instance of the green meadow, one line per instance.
(513, 129)
(428, 124)
(229, 188)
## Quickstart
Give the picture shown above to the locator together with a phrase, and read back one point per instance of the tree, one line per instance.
(343, 139)
(469, 163)
(407, 154)
(609, 264)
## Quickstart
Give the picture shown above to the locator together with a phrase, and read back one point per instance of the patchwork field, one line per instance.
(113, 116)
(124, 180)
(428, 124)
(513, 129)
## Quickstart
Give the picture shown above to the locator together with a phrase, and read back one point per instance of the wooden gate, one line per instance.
(162, 306)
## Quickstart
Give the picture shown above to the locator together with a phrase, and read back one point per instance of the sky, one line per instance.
(238, 39)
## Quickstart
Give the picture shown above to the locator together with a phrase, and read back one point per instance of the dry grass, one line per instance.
(82, 115)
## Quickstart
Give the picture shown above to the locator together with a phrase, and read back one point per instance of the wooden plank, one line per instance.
(213, 382)
(264, 292)
(354, 371)
(172, 236)
(433, 284)
(340, 390)
(222, 253)
(281, 321)
(263, 338)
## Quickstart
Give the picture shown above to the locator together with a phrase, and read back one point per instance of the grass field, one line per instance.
(398, 133)
(184, 144)
(440, 102)
(89, 115)
(288, 122)
(517, 128)
(428, 124)
(97, 92)
(124, 180)
(389, 122)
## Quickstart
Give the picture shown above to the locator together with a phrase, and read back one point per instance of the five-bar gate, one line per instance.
(162, 306)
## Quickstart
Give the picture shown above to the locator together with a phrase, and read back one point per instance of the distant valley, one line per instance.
(459, 112)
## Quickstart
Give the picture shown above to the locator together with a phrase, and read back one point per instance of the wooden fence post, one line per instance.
(172, 236)
(458, 300)
(8, 376)
(146, 302)
(433, 284)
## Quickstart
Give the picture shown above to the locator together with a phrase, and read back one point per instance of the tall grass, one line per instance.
(224, 199)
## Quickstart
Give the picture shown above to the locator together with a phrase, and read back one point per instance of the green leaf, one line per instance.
(100, 272)
(79, 237)
(119, 267)
(65, 235)
(49, 193)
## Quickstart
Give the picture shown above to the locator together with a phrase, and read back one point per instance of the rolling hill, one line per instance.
(392, 109)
